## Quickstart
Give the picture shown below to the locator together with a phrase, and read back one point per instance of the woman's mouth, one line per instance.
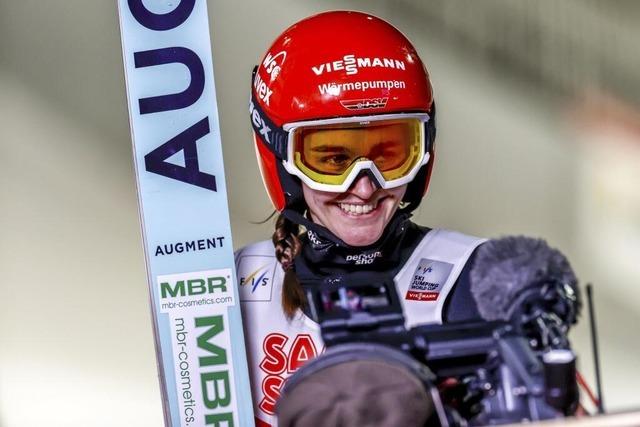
(358, 209)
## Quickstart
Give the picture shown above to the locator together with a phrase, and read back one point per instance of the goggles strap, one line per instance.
(331, 239)
(299, 218)
(273, 135)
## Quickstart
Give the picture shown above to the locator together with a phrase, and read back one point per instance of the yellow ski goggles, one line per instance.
(328, 155)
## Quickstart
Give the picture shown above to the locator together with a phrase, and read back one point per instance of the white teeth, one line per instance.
(357, 209)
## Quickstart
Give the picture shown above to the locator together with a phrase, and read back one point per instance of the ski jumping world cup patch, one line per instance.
(428, 280)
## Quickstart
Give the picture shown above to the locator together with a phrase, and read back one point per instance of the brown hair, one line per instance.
(288, 246)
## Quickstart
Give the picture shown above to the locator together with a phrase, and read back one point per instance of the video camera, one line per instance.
(478, 373)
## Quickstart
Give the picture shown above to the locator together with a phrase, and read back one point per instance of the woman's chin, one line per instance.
(360, 236)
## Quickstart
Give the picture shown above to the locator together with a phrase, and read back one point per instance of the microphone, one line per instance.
(523, 280)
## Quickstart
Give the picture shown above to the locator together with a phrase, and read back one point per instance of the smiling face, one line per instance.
(358, 216)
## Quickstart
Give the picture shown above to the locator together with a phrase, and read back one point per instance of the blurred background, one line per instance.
(538, 134)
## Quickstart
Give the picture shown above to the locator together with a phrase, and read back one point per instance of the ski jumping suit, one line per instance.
(430, 269)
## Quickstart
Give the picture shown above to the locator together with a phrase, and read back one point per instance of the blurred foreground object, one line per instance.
(516, 365)
(627, 419)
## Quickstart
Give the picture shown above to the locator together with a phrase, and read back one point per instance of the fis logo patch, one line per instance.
(256, 274)
(428, 280)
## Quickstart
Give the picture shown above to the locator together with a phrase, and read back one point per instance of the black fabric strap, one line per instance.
(460, 305)
(271, 134)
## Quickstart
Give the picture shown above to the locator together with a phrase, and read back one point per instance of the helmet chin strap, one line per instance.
(325, 238)
(298, 218)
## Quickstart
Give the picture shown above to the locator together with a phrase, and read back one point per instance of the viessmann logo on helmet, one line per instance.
(351, 63)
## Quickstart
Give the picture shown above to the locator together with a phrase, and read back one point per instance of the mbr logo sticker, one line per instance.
(186, 291)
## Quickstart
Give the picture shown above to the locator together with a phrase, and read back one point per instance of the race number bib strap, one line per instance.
(430, 274)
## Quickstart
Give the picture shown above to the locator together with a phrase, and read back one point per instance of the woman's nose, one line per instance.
(363, 187)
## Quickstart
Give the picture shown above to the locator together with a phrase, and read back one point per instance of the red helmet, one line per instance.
(335, 65)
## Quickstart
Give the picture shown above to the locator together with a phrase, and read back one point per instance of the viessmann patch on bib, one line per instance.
(428, 280)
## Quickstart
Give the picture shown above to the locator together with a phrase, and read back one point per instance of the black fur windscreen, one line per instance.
(505, 267)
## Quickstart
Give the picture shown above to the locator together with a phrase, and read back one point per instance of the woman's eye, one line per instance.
(336, 159)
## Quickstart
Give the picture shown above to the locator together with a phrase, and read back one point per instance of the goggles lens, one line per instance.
(327, 154)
